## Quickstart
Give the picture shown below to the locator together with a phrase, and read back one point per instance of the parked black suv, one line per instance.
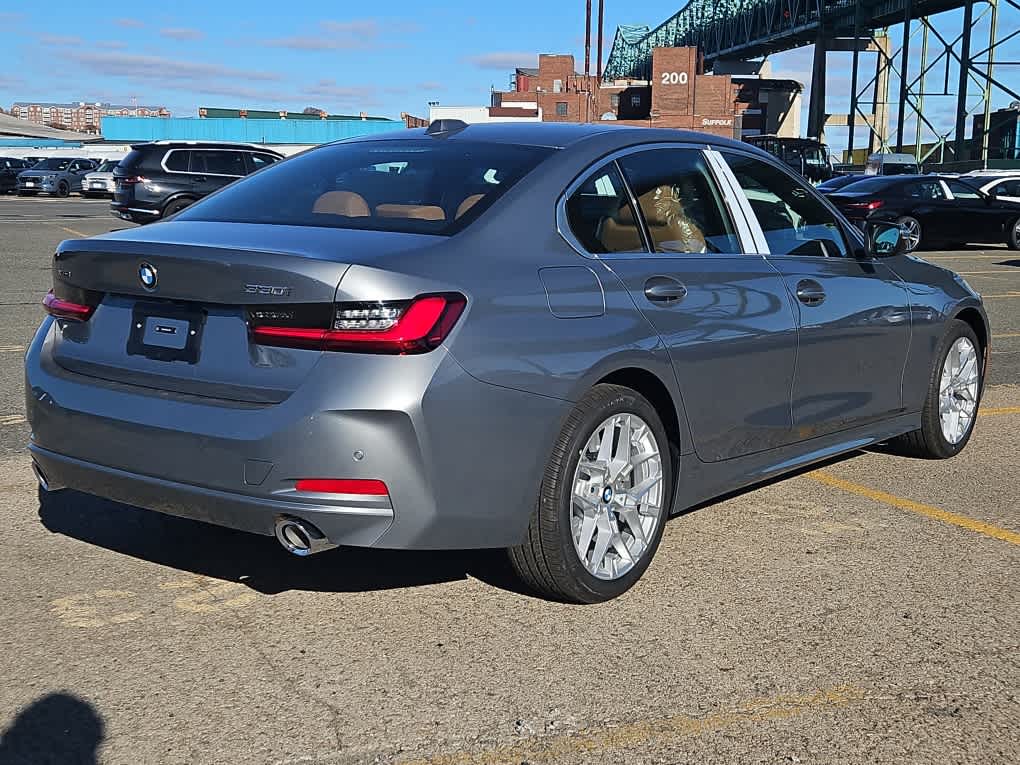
(161, 178)
(9, 169)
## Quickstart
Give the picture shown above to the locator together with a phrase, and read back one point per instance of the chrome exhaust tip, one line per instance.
(40, 476)
(300, 537)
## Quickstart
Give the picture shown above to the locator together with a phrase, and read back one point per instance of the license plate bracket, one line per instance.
(166, 332)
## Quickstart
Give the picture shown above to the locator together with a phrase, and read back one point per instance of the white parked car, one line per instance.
(99, 183)
(1005, 186)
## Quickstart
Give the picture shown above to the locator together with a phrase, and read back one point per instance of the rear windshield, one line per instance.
(430, 186)
(54, 163)
(867, 185)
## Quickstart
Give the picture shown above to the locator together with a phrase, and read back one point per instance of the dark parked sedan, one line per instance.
(932, 209)
(10, 168)
(547, 338)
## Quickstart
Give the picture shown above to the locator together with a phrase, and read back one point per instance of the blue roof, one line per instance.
(275, 131)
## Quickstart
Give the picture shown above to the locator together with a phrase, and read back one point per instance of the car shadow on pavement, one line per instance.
(258, 561)
(1014, 263)
(56, 729)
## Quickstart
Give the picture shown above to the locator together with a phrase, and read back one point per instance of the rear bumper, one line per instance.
(462, 459)
(343, 524)
(133, 211)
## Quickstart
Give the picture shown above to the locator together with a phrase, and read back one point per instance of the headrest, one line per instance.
(345, 203)
(415, 212)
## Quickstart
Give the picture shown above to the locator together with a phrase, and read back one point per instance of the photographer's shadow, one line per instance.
(57, 729)
(259, 561)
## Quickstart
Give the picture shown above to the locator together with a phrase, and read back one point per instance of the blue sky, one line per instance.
(340, 56)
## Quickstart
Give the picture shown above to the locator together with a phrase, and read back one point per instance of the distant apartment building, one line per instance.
(679, 95)
(79, 116)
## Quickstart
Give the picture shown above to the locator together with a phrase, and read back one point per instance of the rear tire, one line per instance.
(175, 207)
(599, 500)
(931, 441)
(914, 234)
(1013, 235)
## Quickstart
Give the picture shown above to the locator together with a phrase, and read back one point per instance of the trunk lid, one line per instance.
(188, 331)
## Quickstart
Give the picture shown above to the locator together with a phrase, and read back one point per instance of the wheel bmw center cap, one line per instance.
(607, 494)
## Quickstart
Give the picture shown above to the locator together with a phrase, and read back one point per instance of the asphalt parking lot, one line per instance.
(865, 612)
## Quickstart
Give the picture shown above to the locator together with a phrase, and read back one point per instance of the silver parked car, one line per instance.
(546, 338)
(56, 175)
(99, 182)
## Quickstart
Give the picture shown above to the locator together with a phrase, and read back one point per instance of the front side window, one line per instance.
(931, 190)
(258, 161)
(601, 217)
(425, 186)
(795, 221)
(1007, 189)
(679, 201)
(963, 191)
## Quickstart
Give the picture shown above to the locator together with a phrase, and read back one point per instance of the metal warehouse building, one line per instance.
(247, 126)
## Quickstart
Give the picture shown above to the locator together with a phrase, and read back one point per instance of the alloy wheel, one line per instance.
(912, 232)
(618, 496)
(958, 390)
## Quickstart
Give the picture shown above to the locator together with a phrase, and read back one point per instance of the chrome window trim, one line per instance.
(189, 172)
(563, 224)
(751, 234)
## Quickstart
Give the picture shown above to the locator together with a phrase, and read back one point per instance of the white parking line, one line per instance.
(11, 348)
(12, 419)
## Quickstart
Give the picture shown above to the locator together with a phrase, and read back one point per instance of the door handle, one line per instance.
(810, 292)
(664, 290)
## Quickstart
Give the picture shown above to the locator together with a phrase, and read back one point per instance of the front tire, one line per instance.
(912, 232)
(954, 393)
(63, 190)
(603, 503)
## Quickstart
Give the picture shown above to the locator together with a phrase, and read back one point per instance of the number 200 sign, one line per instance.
(674, 78)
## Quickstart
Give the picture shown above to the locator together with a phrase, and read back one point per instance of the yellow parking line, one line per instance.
(1005, 335)
(72, 231)
(11, 419)
(994, 410)
(1004, 272)
(591, 744)
(910, 505)
(1003, 295)
(11, 348)
(1006, 255)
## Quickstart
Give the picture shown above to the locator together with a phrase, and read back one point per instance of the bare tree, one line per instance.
(312, 110)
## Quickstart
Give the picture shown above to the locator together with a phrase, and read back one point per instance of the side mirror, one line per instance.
(884, 239)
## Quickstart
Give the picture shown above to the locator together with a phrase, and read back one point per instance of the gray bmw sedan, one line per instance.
(545, 338)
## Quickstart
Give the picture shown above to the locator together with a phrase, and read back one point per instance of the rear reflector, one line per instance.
(65, 309)
(342, 486)
(401, 327)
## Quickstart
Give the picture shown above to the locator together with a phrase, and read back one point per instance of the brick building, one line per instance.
(80, 116)
(679, 95)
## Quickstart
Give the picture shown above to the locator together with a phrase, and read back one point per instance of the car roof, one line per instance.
(558, 135)
(203, 145)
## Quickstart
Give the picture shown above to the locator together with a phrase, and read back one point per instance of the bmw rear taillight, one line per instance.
(131, 180)
(67, 309)
(398, 327)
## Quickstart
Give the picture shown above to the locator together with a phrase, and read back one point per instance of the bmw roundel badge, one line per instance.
(147, 276)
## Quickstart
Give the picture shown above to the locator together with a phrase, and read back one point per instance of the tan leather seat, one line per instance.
(345, 203)
(414, 212)
(620, 234)
(467, 204)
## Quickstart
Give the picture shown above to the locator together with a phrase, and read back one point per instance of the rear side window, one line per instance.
(427, 186)
(601, 217)
(177, 160)
(218, 162)
(679, 201)
(794, 220)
